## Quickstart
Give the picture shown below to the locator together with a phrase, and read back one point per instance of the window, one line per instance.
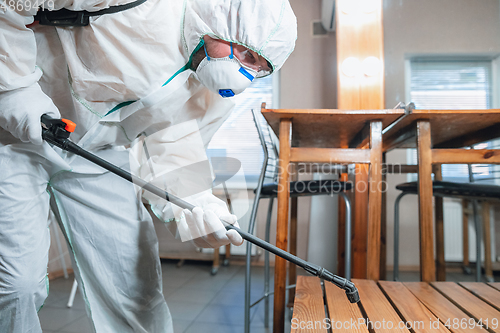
(237, 137)
(452, 84)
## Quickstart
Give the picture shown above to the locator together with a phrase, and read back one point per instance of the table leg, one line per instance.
(359, 227)
(465, 235)
(282, 226)
(374, 201)
(488, 269)
(383, 223)
(341, 230)
(427, 265)
(439, 227)
(227, 255)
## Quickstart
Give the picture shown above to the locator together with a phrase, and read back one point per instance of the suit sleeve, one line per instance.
(17, 46)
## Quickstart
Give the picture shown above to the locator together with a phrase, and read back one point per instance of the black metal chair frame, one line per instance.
(470, 191)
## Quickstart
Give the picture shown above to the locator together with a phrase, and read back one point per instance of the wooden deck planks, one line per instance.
(485, 292)
(495, 285)
(416, 315)
(344, 316)
(441, 307)
(309, 307)
(470, 304)
(377, 308)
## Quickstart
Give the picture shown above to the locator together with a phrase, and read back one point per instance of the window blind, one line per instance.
(451, 84)
(440, 84)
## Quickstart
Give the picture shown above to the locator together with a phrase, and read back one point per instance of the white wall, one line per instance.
(308, 80)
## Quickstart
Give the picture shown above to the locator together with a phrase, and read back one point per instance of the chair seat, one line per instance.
(308, 188)
(449, 189)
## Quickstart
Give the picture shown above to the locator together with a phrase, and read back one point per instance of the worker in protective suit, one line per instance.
(161, 69)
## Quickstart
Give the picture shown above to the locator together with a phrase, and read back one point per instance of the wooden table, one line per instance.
(328, 136)
(397, 307)
(438, 136)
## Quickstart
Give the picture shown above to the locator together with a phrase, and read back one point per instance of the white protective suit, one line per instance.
(115, 79)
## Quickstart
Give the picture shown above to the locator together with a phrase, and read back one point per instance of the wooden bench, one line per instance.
(389, 306)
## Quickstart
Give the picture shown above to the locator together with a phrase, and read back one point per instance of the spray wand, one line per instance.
(57, 132)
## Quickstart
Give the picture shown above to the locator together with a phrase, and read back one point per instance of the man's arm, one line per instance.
(22, 101)
(17, 45)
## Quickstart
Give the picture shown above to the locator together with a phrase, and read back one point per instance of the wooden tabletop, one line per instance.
(397, 307)
(329, 128)
(449, 128)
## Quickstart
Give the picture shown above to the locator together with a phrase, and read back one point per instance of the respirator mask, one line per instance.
(225, 76)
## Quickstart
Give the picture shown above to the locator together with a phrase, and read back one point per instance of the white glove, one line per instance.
(205, 229)
(21, 110)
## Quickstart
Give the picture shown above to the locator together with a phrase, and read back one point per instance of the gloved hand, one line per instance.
(20, 112)
(205, 229)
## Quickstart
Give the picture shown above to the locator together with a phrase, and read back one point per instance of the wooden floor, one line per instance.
(397, 307)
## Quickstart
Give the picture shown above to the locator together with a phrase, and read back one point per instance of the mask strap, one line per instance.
(231, 56)
(205, 48)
